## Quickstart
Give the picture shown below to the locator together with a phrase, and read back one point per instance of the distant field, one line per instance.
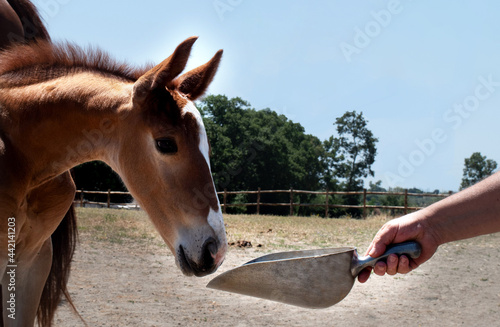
(270, 232)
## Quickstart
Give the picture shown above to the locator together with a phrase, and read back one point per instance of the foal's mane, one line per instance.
(40, 61)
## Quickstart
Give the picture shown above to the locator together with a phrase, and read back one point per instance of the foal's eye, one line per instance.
(166, 145)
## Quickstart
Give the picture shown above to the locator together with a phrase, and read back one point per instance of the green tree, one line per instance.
(353, 152)
(477, 167)
(259, 148)
(330, 159)
(350, 155)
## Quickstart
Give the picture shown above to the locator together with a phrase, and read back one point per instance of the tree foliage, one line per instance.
(477, 168)
(259, 148)
(350, 155)
(353, 152)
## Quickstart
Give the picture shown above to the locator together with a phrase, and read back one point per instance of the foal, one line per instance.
(60, 107)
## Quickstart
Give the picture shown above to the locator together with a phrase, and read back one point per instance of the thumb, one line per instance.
(382, 239)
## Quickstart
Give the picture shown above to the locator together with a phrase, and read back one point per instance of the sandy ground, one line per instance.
(139, 285)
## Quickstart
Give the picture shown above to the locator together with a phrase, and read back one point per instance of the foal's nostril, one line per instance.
(210, 247)
(205, 260)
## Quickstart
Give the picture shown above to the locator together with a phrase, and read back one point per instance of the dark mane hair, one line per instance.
(26, 64)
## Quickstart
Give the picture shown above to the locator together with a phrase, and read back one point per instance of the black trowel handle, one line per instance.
(410, 249)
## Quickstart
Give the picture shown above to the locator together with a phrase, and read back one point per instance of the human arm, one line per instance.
(472, 212)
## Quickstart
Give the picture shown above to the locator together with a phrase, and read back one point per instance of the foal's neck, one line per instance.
(64, 122)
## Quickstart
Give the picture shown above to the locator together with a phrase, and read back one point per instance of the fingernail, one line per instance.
(379, 268)
(392, 258)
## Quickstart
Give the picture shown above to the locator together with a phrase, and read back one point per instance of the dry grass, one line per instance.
(116, 226)
(293, 233)
(270, 232)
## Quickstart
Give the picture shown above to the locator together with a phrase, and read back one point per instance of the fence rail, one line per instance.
(80, 198)
(291, 204)
(327, 205)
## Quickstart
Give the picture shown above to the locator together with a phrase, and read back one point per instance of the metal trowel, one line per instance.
(309, 278)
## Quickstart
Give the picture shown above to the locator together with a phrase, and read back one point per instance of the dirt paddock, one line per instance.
(137, 284)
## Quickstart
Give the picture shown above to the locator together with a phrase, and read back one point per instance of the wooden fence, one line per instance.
(80, 198)
(405, 208)
(291, 204)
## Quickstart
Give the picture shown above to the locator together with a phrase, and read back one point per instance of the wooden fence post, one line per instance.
(406, 201)
(291, 201)
(258, 201)
(326, 204)
(109, 197)
(81, 199)
(364, 204)
(225, 200)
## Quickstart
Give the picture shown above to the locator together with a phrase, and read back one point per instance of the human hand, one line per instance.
(412, 227)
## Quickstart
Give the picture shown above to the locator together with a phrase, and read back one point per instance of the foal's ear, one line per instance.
(166, 71)
(195, 82)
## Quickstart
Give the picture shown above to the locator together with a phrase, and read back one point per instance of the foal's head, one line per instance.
(163, 157)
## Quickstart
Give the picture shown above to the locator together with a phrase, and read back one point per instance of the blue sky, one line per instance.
(425, 74)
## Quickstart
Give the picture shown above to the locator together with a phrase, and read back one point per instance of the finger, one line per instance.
(377, 247)
(392, 264)
(369, 248)
(380, 268)
(404, 265)
(364, 275)
(384, 237)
